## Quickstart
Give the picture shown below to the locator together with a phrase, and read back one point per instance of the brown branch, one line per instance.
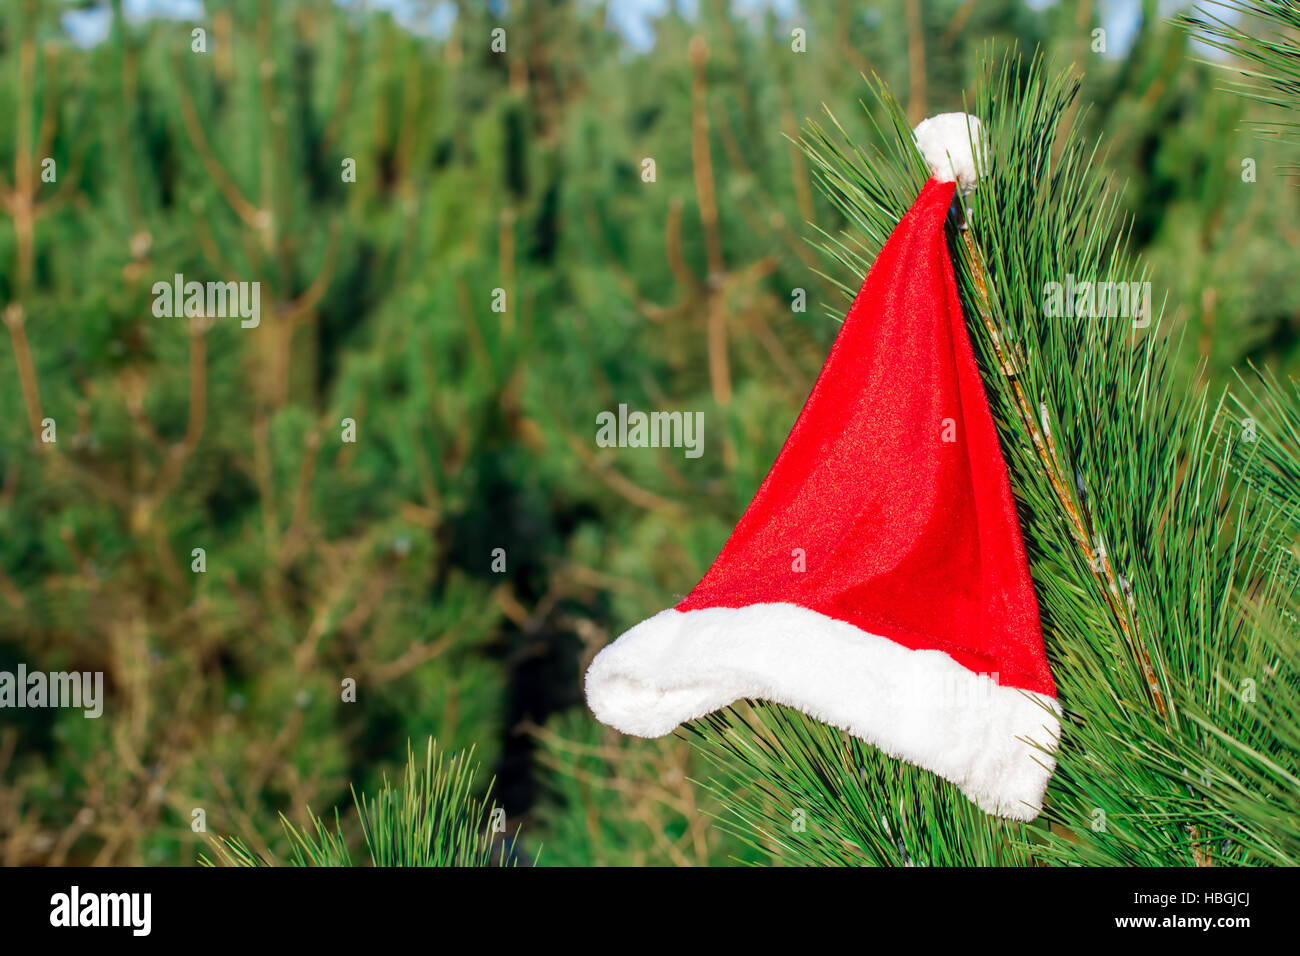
(957, 23)
(10, 592)
(405, 147)
(296, 532)
(798, 166)
(1082, 18)
(673, 248)
(254, 217)
(472, 332)
(506, 265)
(916, 92)
(791, 373)
(26, 80)
(413, 658)
(272, 145)
(628, 489)
(198, 412)
(198, 386)
(719, 364)
(342, 94)
(211, 251)
(314, 292)
(700, 155)
(265, 484)
(49, 115)
(1045, 446)
(848, 51)
(16, 322)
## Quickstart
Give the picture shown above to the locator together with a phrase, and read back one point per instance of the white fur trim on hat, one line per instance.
(995, 742)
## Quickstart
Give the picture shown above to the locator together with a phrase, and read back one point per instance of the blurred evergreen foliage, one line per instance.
(481, 176)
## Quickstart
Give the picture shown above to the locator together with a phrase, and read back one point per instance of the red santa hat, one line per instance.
(878, 580)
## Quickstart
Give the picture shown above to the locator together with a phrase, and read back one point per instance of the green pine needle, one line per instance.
(432, 819)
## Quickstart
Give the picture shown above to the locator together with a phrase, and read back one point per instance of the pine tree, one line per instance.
(1168, 601)
(201, 528)
(383, 186)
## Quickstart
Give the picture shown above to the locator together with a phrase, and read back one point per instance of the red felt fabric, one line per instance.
(905, 535)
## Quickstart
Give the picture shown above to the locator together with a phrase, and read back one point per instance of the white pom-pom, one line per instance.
(945, 143)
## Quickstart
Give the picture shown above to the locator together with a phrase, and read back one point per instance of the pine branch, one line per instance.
(1150, 559)
(1262, 38)
(432, 819)
(1010, 367)
(1267, 432)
